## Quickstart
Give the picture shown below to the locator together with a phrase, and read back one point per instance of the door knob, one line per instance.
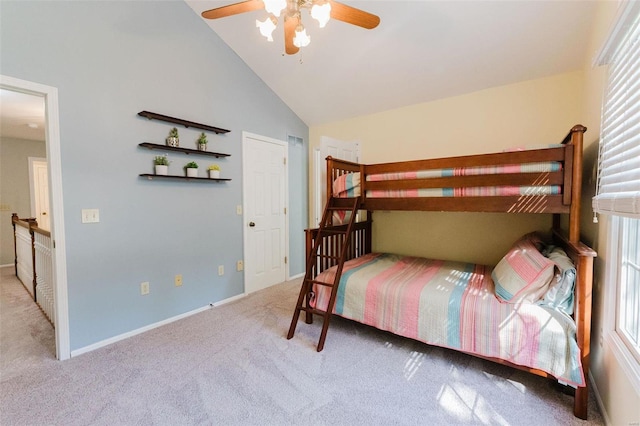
(251, 224)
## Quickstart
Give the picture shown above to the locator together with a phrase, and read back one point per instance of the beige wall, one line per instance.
(617, 395)
(14, 187)
(528, 113)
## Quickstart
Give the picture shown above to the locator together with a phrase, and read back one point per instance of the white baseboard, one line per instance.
(140, 330)
(296, 276)
(7, 265)
(596, 393)
(229, 300)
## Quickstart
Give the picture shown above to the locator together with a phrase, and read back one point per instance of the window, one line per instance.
(618, 192)
(628, 313)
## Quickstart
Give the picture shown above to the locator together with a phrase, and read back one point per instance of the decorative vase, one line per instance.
(214, 174)
(162, 170)
(173, 141)
(192, 172)
(202, 147)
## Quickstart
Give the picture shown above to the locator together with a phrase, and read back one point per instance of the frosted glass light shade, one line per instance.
(321, 13)
(301, 38)
(266, 27)
(275, 7)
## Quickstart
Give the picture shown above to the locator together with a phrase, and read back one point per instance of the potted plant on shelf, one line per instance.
(192, 169)
(214, 171)
(202, 142)
(173, 139)
(161, 163)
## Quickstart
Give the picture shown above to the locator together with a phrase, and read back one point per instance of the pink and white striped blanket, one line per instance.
(348, 185)
(452, 304)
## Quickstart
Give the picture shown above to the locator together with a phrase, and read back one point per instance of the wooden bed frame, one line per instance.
(359, 238)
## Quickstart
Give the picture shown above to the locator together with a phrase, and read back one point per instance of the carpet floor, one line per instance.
(232, 365)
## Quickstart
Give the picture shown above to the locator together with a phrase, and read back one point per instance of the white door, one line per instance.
(343, 150)
(39, 182)
(265, 202)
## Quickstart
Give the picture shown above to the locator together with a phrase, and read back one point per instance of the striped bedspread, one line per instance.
(348, 185)
(452, 304)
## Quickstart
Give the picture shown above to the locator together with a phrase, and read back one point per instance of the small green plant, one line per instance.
(214, 167)
(191, 165)
(202, 140)
(161, 160)
(173, 133)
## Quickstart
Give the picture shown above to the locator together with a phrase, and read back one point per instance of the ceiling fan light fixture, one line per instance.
(275, 7)
(267, 26)
(321, 12)
(301, 38)
(295, 35)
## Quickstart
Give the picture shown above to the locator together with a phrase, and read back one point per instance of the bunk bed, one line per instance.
(511, 313)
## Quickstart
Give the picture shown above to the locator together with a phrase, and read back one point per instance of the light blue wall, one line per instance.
(110, 60)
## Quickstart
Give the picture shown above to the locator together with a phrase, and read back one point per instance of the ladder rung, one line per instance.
(319, 282)
(313, 310)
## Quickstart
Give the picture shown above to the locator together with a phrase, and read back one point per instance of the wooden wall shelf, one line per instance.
(151, 176)
(187, 151)
(179, 121)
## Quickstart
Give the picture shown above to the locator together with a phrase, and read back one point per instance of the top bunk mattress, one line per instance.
(349, 185)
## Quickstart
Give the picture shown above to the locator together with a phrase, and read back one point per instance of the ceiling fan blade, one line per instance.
(290, 25)
(233, 9)
(354, 16)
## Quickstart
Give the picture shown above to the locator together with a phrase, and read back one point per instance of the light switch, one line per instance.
(90, 215)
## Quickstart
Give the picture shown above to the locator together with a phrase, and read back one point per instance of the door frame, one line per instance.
(54, 160)
(245, 174)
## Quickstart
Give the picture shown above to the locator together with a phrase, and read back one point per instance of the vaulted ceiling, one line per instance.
(421, 51)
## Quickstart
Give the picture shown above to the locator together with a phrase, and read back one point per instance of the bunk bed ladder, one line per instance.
(325, 229)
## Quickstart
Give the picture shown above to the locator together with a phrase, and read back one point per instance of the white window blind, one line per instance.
(618, 189)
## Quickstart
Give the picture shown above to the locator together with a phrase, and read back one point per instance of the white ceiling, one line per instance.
(421, 51)
(19, 111)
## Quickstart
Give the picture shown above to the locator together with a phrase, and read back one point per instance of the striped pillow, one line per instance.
(523, 273)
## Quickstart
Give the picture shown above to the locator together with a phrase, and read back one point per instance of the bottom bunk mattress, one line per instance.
(453, 305)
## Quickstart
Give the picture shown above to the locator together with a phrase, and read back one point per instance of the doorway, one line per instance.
(265, 195)
(343, 150)
(56, 216)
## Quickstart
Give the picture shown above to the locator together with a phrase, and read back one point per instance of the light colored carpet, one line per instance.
(232, 365)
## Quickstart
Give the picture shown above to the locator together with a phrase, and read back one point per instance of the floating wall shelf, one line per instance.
(187, 151)
(151, 176)
(185, 123)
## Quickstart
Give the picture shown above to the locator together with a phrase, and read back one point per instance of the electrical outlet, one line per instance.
(221, 270)
(144, 288)
(239, 209)
(240, 265)
(178, 280)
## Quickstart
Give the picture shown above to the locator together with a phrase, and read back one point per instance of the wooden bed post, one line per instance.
(577, 134)
(329, 178)
(14, 219)
(582, 257)
(583, 330)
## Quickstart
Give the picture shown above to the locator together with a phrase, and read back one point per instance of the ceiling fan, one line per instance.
(295, 35)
